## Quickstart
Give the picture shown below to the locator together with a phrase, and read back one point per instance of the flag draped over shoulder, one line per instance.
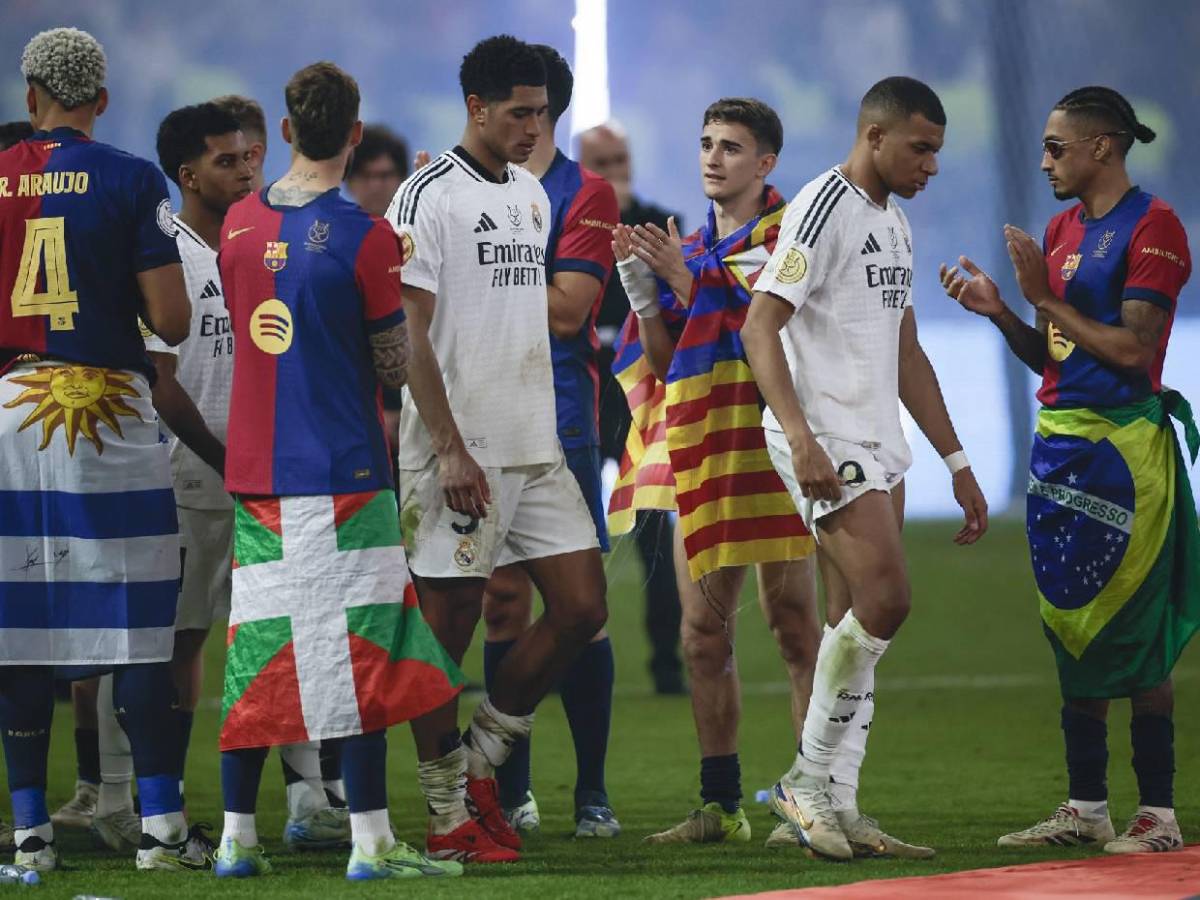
(1114, 543)
(696, 443)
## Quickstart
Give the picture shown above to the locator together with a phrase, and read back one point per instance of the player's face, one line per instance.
(374, 184)
(906, 154)
(607, 154)
(511, 127)
(222, 175)
(1076, 163)
(730, 164)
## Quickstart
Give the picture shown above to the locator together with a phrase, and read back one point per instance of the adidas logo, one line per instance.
(871, 246)
(485, 224)
(210, 290)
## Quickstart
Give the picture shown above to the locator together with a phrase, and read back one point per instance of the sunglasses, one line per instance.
(1057, 148)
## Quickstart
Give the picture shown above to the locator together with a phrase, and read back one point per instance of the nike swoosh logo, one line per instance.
(1056, 249)
(234, 232)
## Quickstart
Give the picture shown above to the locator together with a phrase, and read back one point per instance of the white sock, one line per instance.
(1090, 809)
(444, 784)
(843, 772)
(844, 672)
(116, 759)
(45, 831)
(490, 738)
(306, 796)
(170, 828)
(114, 797)
(372, 832)
(242, 828)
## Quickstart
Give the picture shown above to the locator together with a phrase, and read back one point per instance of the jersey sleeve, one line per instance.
(377, 274)
(154, 243)
(154, 344)
(585, 243)
(418, 218)
(805, 251)
(1159, 262)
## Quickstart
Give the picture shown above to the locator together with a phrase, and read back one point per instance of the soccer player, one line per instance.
(87, 243)
(838, 286)
(583, 212)
(474, 227)
(378, 168)
(253, 125)
(1118, 579)
(326, 641)
(690, 298)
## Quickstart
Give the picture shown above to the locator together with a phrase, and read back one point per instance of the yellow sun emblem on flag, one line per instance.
(75, 397)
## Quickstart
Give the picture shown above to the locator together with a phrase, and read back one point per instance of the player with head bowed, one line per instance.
(832, 338)
(483, 478)
(1112, 529)
(326, 641)
(87, 243)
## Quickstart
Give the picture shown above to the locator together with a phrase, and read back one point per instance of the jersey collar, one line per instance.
(63, 131)
(1133, 191)
(478, 167)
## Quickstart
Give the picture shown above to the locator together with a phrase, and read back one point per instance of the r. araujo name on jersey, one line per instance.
(479, 245)
(845, 264)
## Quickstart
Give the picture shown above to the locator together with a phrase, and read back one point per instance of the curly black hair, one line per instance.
(181, 135)
(560, 83)
(498, 64)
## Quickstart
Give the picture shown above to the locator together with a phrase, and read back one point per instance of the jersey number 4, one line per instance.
(45, 251)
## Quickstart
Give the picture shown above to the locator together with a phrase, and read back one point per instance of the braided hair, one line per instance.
(1109, 110)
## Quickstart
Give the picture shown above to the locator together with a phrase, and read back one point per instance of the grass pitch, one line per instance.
(965, 747)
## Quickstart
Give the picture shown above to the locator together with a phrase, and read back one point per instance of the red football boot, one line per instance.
(483, 803)
(468, 843)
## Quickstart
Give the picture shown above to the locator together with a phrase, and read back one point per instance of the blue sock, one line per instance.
(184, 718)
(1086, 738)
(87, 754)
(364, 771)
(144, 697)
(587, 692)
(721, 781)
(331, 760)
(241, 770)
(26, 710)
(1154, 759)
(515, 777)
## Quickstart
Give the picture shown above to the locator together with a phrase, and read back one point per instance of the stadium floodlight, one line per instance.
(589, 105)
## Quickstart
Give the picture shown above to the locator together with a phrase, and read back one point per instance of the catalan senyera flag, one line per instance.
(696, 444)
(325, 636)
(1114, 542)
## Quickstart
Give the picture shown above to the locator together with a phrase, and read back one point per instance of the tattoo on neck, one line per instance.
(282, 194)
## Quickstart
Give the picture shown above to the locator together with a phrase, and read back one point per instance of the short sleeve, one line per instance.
(417, 215)
(803, 253)
(154, 225)
(585, 242)
(1159, 262)
(377, 274)
(154, 344)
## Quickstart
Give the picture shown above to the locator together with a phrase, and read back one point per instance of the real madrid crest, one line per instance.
(275, 256)
(1070, 264)
(537, 217)
(464, 556)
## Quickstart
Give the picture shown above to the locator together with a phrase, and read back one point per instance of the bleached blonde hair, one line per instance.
(68, 63)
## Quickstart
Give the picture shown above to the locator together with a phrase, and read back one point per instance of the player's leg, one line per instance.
(1153, 827)
(787, 594)
(116, 824)
(507, 612)
(330, 755)
(313, 823)
(653, 537)
(239, 854)
(26, 710)
(707, 636)
(79, 810)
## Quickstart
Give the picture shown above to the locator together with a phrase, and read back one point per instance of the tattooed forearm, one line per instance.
(1147, 323)
(390, 351)
(1025, 341)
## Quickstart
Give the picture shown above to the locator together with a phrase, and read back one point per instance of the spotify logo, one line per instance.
(271, 327)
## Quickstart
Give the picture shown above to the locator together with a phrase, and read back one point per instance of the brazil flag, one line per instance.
(1114, 543)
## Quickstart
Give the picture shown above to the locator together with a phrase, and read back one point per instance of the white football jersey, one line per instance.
(205, 370)
(479, 245)
(845, 264)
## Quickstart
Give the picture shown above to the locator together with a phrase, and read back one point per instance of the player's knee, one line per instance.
(798, 640)
(703, 642)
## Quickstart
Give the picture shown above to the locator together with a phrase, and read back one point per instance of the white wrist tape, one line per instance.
(640, 287)
(956, 461)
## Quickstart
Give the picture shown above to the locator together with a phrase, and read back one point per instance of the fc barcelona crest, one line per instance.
(1070, 264)
(275, 256)
(537, 218)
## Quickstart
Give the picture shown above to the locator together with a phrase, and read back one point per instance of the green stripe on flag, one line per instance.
(253, 542)
(403, 632)
(377, 524)
(254, 645)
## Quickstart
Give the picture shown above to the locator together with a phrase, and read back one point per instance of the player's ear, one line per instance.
(356, 133)
(477, 109)
(766, 164)
(285, 129)
(101, 101)
(875, 135)
(31, 103)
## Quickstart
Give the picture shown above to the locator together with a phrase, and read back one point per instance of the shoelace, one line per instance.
(199, 834)
(1141, 824)
(1064, 814)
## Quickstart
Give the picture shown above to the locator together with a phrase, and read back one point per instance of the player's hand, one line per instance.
(974, 506)
(622, 242)
(662, 251)
(978, 293)
(421, 160)
(464, 483)
(1029, 265)
(815, 473)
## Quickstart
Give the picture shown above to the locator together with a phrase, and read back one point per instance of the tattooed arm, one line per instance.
(1131, 345)
(389, 351)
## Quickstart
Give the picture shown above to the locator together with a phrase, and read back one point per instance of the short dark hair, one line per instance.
(248, 113)
(559, 81)
(1108, 110)
(377, 141)
(498, 64)
(14, 132)
(322, 104)
(182, 134)
(762, 121)
(901, 97)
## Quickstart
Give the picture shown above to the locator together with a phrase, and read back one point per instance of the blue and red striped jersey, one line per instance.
(1136, 251)
(78, 221)
(305, 287)
(584, 211)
